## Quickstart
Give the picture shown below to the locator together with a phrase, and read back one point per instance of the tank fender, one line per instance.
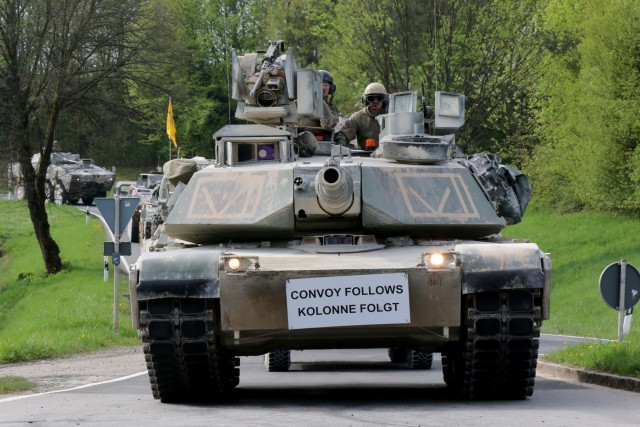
(187, 273)
(489, 267)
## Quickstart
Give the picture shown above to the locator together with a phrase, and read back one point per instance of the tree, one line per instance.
(590, 127)
(488, 50)
(203, 32)
(55, 54)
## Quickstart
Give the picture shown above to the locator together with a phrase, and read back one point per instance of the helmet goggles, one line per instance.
(374, 97)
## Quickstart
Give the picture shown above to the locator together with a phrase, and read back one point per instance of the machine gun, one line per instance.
(272, 90)
(267, 62)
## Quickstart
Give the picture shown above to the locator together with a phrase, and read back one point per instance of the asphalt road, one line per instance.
(329, 388)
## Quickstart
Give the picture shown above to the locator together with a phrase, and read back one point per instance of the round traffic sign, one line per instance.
(610, 286)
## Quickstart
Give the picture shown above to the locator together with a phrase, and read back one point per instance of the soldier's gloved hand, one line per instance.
(339, 139)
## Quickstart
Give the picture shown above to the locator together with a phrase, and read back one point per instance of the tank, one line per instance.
(264, 251)
(69, 179)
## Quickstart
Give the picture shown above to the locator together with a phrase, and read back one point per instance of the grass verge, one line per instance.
(70, 312)
(15, 384)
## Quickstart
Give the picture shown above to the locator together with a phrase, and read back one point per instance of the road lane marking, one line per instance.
(25, 396)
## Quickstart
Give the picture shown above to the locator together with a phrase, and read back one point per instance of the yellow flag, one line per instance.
(171, 126)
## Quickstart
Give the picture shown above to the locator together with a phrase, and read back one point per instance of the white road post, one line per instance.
(116, 249)
(623, 290)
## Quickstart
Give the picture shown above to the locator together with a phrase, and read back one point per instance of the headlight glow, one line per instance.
(233, 263)
(239, 264)
(436, 260)
(440, 260)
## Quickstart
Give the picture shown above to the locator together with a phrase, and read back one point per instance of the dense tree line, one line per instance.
(587, 155)
(551, 85)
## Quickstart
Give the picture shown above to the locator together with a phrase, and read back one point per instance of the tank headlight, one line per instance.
(439, 260)
(233, 264)
(239, 264)
(436, 260)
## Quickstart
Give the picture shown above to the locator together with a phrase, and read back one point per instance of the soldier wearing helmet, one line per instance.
(363, 124)
(308, 138)
(330, 111)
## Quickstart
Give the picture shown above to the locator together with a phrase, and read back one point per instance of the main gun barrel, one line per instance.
(334, 188)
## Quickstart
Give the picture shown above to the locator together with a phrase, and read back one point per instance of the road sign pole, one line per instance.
(116, 273)
(620, 290)
(623, 291)
(110, 209)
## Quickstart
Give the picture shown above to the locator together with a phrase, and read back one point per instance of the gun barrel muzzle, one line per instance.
(334, 188)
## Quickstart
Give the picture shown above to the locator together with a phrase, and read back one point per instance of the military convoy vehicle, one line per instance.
(266, 251)
(143, 188)
(69, 179)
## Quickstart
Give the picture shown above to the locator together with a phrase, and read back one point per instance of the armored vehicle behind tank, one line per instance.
(143, 188)
(69, 179)
(265, 251)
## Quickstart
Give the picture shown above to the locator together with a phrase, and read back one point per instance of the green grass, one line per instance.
(617, 357)
(15, 384)
(69, 312)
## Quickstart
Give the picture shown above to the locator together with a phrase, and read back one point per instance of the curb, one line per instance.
(589, 376)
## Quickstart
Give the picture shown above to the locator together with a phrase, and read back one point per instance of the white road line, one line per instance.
(25, 396)
(577, 338)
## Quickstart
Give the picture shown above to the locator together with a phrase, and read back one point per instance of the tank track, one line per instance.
(278, 360)
(498, 350)
(419, 360)
(184, 360)
(413, 359)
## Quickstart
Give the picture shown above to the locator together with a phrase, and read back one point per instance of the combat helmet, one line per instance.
(375, 89)
(327, 77)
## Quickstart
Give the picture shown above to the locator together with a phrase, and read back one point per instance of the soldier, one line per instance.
(363, 124)
(308, 137)
(330, 111)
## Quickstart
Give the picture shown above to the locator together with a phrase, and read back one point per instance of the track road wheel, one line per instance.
(418, 360)
(277, 360)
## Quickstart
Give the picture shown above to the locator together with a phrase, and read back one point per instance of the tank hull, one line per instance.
(353, 299)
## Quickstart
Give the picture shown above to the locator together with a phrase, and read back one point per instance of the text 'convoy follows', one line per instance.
(348, 291)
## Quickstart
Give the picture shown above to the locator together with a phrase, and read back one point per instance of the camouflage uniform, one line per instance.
(328, 121)
(361, 125)
(330, 114)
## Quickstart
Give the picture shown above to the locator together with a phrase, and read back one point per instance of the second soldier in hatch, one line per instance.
(330, 111)
(308, 136)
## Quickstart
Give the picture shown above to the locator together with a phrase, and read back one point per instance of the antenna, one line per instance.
(435, 47)
(226, 60)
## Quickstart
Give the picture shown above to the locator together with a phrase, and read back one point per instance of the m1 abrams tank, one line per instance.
(265, 251)
(71, 179)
